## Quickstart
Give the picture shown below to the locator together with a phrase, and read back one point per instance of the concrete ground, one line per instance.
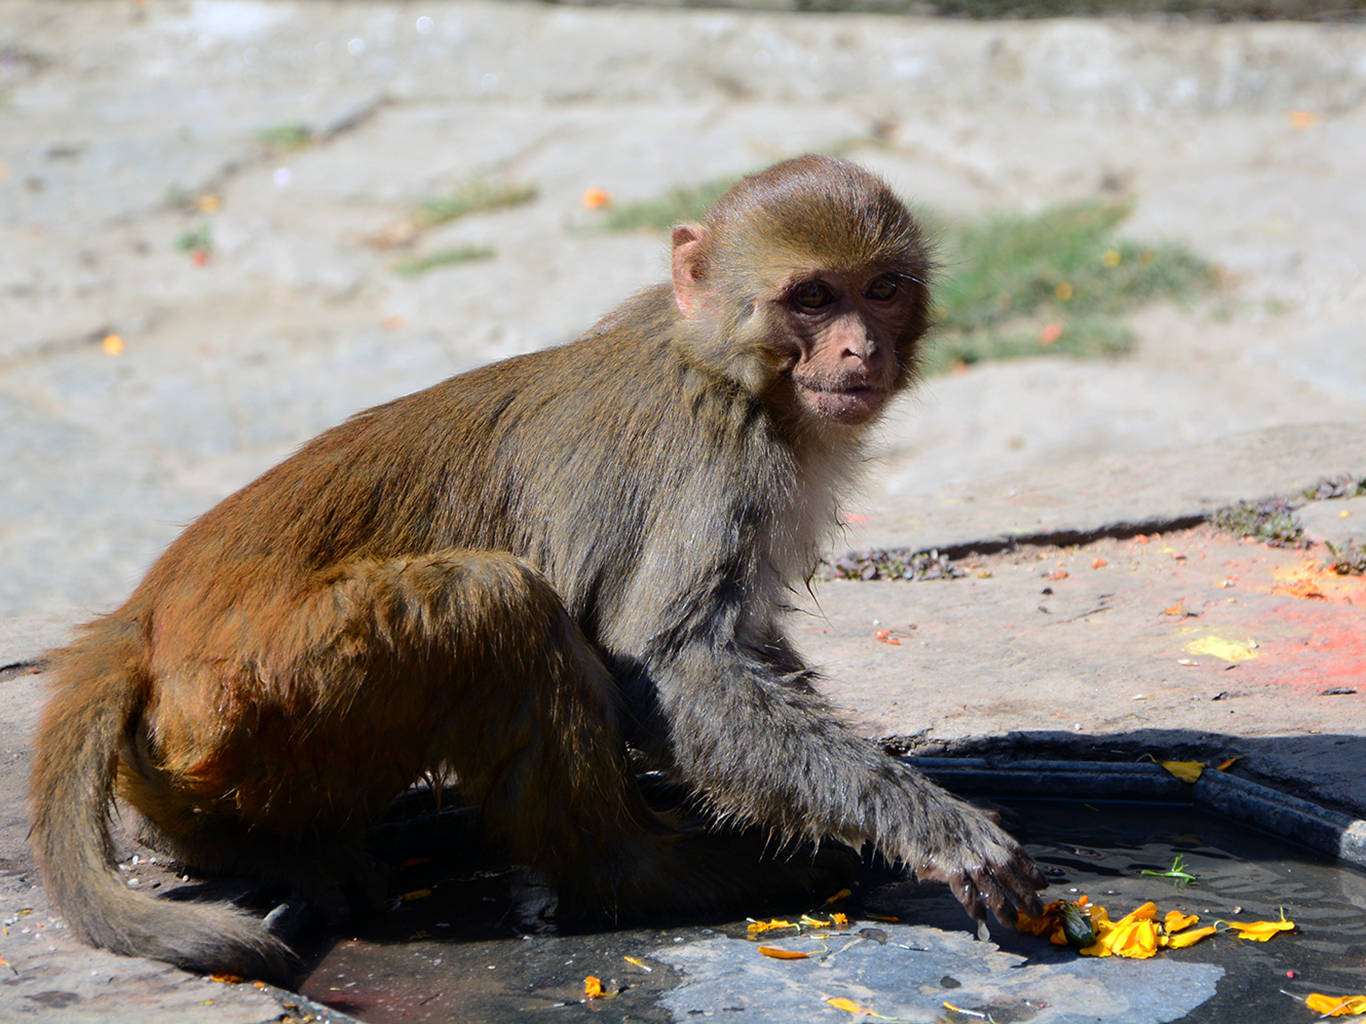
(125, 126)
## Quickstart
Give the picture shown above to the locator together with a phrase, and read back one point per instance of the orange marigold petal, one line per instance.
(1175, 921)
(1336, 1006)
(1186, 771)
(1260, 931)
(1190, 938)
(783, 954)
(1146, 912)
(849, 1006)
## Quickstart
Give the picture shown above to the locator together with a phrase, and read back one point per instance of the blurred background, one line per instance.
(226, 225)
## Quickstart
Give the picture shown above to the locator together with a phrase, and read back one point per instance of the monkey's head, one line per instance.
(808, 283)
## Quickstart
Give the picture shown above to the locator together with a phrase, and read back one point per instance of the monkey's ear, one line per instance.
(689, 266)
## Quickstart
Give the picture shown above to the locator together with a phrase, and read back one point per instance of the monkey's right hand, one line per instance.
(984, 866)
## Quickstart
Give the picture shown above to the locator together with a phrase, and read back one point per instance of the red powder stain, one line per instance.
(1320, 646)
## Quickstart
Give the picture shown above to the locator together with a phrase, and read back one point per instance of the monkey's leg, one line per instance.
(523, 710)
(466, 660)
(764, 747)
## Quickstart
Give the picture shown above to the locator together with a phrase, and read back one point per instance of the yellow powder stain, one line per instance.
(1218, 647)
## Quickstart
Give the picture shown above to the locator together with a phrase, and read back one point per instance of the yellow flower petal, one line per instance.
(849, 1006)
(592, 987)
(1136, 940)
(1260, 931)
(1336, 1006)
(1175, 921)
(783, 954)
(1186, 771)
(1146, 912)
(1189, 938)
(766, 926)
(1135, 935)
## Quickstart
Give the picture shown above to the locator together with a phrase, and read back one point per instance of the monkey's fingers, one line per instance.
(1009, 888)
(1006, 886)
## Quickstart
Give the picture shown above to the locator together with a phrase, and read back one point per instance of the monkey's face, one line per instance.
(842, 330)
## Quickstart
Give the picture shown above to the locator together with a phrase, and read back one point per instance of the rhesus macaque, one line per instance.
(513, 576)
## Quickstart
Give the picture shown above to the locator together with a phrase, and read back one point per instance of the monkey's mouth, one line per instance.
(851, 402)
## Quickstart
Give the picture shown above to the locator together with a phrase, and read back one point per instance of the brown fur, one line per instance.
(483, 576)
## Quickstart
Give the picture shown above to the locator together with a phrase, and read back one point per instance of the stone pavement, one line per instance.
(124, 126)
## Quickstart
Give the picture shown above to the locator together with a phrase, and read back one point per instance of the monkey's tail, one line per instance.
(94, 708)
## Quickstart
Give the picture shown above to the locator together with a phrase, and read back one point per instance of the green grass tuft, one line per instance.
(475, 196)
(1272, 522)
(663, 212)
(285, 135)
(200, 237)
(442, 258)
(1055, 282)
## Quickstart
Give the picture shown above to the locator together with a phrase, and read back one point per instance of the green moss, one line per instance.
(1271, 522)
(1348, 560)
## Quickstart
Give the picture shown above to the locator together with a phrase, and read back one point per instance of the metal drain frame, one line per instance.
(1292, 818)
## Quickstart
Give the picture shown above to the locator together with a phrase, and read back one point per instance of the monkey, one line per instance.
(522, 576)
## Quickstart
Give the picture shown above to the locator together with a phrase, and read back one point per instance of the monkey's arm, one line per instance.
(762, 746)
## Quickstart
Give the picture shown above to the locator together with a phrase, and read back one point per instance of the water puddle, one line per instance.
(454, 950)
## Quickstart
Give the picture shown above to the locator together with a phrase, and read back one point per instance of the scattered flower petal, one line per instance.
(1336, 1006)
(1260, 931)
(1186, 771)
(596, 199)
(849, 1006)
(755, 927)
(783, 954)
(1189, 938)
(1175, 921)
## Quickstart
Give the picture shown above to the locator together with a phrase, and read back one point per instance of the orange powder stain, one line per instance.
(1309, 582)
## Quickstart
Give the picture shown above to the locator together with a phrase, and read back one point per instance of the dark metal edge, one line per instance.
(1325, 831)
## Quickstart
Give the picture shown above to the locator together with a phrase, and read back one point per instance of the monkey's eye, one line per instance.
(881, 290)
(813, 295)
